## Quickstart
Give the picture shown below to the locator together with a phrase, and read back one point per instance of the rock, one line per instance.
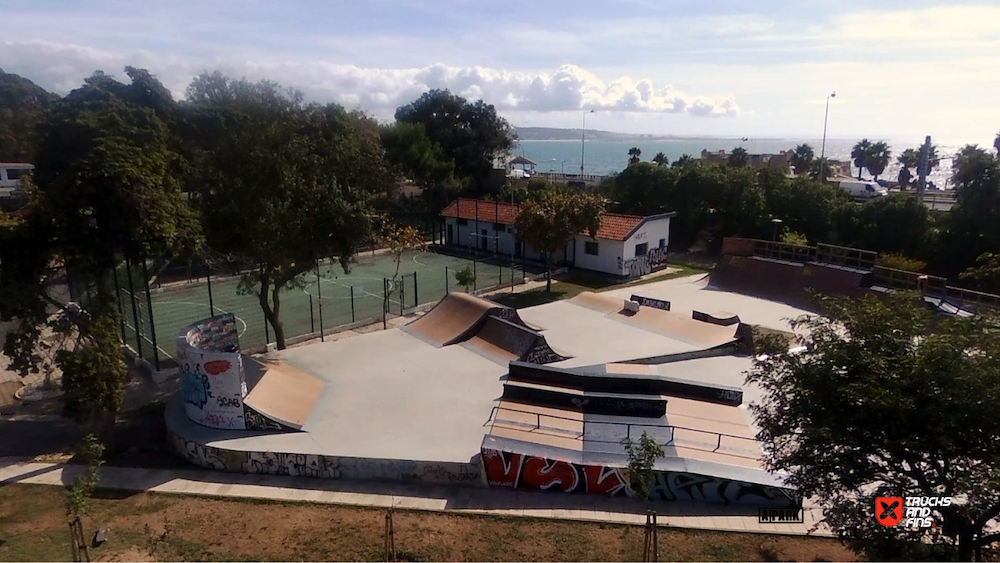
(101, 535)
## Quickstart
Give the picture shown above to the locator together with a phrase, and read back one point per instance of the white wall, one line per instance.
(651, 232)
(504, 244)
(609, 253)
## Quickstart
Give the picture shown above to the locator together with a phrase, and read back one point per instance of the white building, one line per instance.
(626, 245)
(10, 176)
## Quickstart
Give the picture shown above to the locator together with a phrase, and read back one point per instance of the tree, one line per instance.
(399, 239)
(633, 155)
(887, 400)
(739, 157)
(986, 270)
(466, 278)
(792, 237)
(820, 170)
(283, 185)
(416, 157)
(684, 160)
(106, 189)
(642, 456)
(907, 160)
(802, 158)
(927, 161)
(974, 221)
(660, 159)
(996, 143)
(547, 222)
(878, 158)
(471, 135)
(861, 154)
(23, 107)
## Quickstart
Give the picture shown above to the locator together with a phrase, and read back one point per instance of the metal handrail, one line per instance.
(845, 256)
(628, 432)
(783, 251)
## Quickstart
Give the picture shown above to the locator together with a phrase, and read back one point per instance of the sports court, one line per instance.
(322, 299)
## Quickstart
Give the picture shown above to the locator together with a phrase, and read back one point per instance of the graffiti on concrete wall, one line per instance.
(325, 467)
(212, 382)
(256, 421)
(542, 353)
(655, 259)
(513, 470)
(650, 302)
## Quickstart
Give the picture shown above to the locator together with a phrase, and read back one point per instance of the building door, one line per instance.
(451, 234)
(518, 249)
(484, 240)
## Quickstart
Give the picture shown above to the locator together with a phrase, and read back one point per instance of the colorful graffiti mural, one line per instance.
(212, 382)
(518, 471)
(655, 259)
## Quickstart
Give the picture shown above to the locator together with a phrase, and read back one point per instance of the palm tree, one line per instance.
(860, 155)
(633, 155)
(820, 165)
(660, 159)
(932, 159)
(907, 160)
(685, 160)
(878, 158)
(739, 157)
(802, 158)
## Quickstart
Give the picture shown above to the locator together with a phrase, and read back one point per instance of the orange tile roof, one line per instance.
(614, 226)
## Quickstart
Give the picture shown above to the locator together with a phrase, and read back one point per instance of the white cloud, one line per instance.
(62, 67)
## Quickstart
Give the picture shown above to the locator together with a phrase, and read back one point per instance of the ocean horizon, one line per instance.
(603, 158)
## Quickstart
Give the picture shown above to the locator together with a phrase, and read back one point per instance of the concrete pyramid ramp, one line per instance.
(456, 318)
(282, 398)
(505, 340)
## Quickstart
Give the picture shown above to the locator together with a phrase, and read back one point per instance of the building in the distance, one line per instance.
(626, 245)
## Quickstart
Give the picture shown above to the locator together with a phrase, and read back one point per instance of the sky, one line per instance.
(763, 69)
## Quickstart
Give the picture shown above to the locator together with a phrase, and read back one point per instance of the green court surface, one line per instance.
(330, 299)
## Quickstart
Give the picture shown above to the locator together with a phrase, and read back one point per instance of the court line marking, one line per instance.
(335, 282)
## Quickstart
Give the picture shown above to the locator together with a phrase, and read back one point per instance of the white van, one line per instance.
(10, 176)
(861, 189)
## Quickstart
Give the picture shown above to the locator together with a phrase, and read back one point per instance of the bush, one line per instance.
(900, 262)
(791, 237)
(465, 278)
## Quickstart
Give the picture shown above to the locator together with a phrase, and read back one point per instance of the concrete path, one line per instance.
(460, 500)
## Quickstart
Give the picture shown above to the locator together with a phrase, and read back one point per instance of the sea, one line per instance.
(609, 157)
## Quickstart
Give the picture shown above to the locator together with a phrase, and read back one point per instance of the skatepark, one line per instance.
(473, 393)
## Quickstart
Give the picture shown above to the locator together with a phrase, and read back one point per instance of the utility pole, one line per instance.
(583, 141)
(822, 150)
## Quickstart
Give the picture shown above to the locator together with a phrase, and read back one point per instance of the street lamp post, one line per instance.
(583, 141)
(777, 223)
(822, 150)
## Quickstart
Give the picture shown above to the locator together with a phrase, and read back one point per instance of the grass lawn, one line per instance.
(153, 527)
(574, 284)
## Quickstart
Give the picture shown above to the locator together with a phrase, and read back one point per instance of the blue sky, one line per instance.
(761, 69)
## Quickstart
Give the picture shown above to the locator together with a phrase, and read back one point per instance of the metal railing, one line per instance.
(845, 256)
(582, 433)
(783, 251)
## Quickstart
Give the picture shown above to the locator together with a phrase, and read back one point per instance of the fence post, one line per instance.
(416, 301)
(152, 321)
(447, 281)
(319, 293)
(121, 311)
(211, 302)
(353, 319)
(385, 302)
(402, 294)
(312, 317)
(135, 311)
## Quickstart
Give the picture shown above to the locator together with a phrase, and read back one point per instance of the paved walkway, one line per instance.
(461, 500)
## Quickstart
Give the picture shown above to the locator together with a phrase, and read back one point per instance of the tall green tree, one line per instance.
(887, 400)
(739, 157)
(996, 143)
(106, 189)
(878, 158)
(23, 107)
(684, 160)
(660, 159)
(548, 221)
(415, 157)
(471, 134)
(802, 158)
(283, 184)
(633, 155)
(907, 159)
(820, 169)
(861, 154)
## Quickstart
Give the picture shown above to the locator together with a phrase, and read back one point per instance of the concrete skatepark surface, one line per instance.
(397, 405)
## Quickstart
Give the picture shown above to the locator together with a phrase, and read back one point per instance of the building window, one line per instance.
(463, 222)
(641, 249)
(499, 227)
(591, 248)
(663, 243)
(15, 173)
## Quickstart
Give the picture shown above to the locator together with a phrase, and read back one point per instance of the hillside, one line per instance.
(23, 105)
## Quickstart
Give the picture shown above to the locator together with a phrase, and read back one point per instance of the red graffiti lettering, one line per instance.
(541, 473)
(604, 480)
(216, 367)
(502, 468)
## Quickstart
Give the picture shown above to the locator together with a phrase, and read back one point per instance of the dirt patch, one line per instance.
(152, 527)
